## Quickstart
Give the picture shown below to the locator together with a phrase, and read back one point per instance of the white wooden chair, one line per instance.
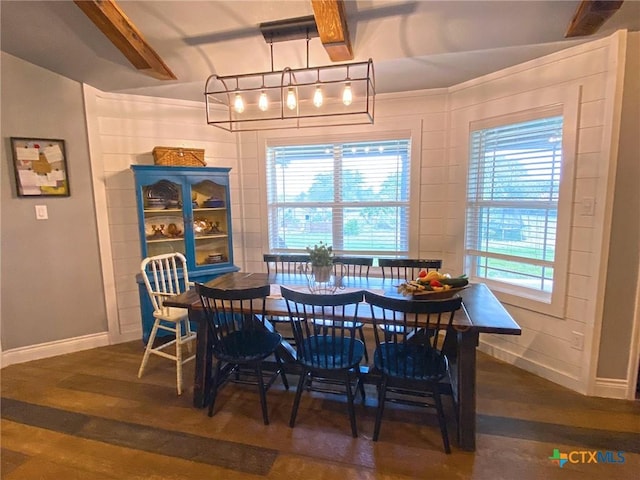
(162, 278)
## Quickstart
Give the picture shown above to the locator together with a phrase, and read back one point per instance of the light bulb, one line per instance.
(263, 102)
(347, 96)
(238, 104)
(317, 97)
(291, 99)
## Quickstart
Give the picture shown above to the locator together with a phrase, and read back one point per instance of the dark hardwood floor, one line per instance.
(87, 416)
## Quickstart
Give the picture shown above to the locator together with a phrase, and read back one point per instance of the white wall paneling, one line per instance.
(123, 130)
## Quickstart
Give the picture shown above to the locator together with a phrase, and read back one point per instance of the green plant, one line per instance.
(321, 255)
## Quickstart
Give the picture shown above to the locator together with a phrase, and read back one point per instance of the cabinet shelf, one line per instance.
(163, 211)
(213, 235)
(160, 240)
(212, 209)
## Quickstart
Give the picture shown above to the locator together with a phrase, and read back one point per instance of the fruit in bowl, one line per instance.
(433, 282)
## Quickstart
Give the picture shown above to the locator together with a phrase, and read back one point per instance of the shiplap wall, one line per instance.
(123, 129)
(545, 346)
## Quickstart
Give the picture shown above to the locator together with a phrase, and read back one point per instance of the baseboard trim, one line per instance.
(553, 375)
(52, 349)
(611, 388)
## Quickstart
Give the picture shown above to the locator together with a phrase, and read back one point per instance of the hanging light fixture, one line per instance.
(291, 99)
(331, 95)
(317, 97)
(347, 95)
(238, 103)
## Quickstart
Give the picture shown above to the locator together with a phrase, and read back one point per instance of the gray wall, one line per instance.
(624, 256)
(51, 282)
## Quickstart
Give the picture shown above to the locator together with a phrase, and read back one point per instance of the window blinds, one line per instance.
(353, 196)
(512, 202)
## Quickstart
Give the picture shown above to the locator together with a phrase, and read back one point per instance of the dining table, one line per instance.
(481, 312)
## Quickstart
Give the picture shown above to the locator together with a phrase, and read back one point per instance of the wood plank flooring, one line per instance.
(87, 416)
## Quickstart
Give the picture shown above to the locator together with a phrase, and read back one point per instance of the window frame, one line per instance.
(412, 133)
(554, 303)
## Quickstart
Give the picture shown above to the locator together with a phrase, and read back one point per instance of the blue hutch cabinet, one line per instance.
(186, 210)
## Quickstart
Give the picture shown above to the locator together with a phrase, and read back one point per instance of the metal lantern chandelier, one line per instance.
(331, 95)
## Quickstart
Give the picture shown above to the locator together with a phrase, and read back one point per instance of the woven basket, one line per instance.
(173, 156)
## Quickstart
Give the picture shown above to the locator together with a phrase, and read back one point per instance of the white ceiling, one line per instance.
(414, 44)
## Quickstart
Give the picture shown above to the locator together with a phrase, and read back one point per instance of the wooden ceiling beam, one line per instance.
(120, 31)
(331, 21)
(590, 16)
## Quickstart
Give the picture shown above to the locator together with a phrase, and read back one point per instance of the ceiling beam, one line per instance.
(590, 16)
(331, 21)
(120, 31)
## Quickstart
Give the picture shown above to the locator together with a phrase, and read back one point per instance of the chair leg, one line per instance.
(263, 394)
(352, 410)
(148, 348)
(366, 354)
(214, 386)
(360, 386)
(382, 394)
(296, 401)
(179, 357)
(283, 375)
(188, 333)
(441, 419)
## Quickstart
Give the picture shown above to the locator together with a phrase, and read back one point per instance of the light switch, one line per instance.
(41, 212)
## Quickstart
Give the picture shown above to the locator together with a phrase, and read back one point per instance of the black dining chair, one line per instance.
(239, 340)
(330, 358)
(406, 268)
(401, 269)
(285, 263)
(352, 268)
(410, 359)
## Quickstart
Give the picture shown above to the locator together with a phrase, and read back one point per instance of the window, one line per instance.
(353, 196)
(512, 203)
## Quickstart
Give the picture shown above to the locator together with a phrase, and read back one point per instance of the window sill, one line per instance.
(540, 302)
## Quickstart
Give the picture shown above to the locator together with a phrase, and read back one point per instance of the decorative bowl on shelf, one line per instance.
(153, 202)
(214, 258)
(213, 203)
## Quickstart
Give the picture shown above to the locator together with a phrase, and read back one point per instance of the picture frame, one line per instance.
(40, 166)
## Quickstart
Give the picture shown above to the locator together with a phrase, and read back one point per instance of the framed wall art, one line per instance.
(40, 165)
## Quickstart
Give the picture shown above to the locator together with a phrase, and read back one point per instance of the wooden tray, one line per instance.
(433, 295)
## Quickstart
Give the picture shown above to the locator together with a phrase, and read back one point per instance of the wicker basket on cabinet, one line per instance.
(173, 156)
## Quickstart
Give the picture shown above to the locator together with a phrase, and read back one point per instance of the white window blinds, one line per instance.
(353, 196)
(512, 202)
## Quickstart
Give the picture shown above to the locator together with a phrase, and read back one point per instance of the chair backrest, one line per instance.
(353, 266)
(412, 323)
(164, 276)
(290, 264)
(228, 311)
(406, 268)
(331, 345)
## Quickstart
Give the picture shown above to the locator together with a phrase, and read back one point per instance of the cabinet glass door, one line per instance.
(211, 223)
(163, 218)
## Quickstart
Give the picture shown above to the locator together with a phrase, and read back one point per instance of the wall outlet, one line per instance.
(577, 340)
(588, 206)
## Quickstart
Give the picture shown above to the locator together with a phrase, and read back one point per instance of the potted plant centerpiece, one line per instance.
(321, 258)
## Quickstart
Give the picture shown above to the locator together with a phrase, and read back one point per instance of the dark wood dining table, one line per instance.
(481, 313)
